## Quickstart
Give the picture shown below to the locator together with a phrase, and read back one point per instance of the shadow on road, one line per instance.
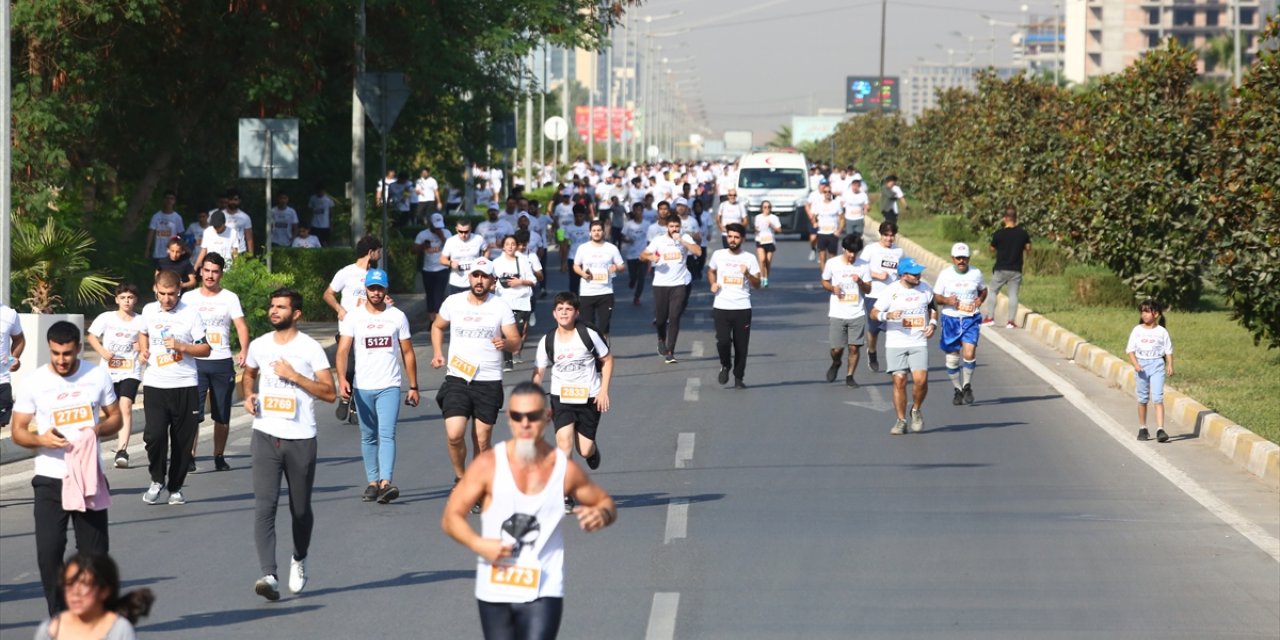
(1016, 399)
(223, 618)
(661, 499)
(974, 426)
(403, 580)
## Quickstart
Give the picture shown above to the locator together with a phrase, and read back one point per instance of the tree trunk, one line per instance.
(142, 193)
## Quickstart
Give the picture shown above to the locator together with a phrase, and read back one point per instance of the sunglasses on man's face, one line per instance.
(531, 416)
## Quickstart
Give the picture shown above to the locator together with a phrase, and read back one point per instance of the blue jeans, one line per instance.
(1150, 381)
(378, 410)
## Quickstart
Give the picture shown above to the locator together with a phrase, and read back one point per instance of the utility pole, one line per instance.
(608, 83)
(357, 136)
(884, 11)
(1235, 66)
(542, 107)
(591, 108)
(564, 104)
(6, 203)
(528, 126)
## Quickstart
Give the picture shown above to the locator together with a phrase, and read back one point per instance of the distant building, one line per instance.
(922, 82)
(1106, 36)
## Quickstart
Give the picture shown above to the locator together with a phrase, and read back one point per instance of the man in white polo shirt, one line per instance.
(171, 404)
(285, 372)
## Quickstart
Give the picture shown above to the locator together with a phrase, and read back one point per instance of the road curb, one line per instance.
(1246, 449)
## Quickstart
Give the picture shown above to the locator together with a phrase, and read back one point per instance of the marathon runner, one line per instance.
(906, 308)
(733, 272)
(220, 310)
(119, 337)
(668, 252)
(596, 262)
(881, 259)
(961, 292)
(848, 280)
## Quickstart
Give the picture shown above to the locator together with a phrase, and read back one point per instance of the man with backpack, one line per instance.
(579, 357)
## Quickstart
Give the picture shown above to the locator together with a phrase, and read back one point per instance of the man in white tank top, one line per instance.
(521, 485)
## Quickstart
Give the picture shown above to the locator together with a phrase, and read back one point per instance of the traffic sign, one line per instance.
(383, 94)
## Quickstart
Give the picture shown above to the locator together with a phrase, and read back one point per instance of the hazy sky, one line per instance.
(757, 62)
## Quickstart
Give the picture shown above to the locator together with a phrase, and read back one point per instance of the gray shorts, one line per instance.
(848, 332)
(904, 359)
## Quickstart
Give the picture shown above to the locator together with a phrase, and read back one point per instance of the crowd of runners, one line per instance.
(651, 225)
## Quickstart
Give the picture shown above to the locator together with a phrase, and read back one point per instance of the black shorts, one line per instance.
(768, 247)
(585, 418)
(216, 379)
(828, 243)
(522, 320)
(127, 388)
(6, 403)
(480, 399)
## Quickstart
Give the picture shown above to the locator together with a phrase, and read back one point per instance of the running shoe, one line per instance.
(1161, 436)
(297, 574)
(1143, 434)
(662, 349)
(988, 320)
(593, 460)
(968, 394)
(122, 459)
(508, 366)
(873, 362)
(267, 587)
(152, 496)
(813, 255)
(739, 384)
(220, 463)
(371, 493)
(851, 383)
(670, 358)
(917, 421)
(635, 301)
(764, 282)
(957, 398)
(344, 409)
(899, 427)
(723, 376)
(533, 319)
(833, 371)
(388, 493)
(1010, 325)
(176, 497)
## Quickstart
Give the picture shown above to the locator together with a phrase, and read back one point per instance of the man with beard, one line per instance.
(733, 273)
(521, 485)
(668, 252)
(481, 326)
(220, 310)
(910, 317)
(294, 374)
(595, 263)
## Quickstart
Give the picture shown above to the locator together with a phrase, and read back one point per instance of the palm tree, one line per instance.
(781, 137)
(52, 262)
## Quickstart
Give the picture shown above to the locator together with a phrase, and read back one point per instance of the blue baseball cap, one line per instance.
(909, 265)
(376, 277)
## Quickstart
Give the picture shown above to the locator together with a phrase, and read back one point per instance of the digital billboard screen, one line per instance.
(864, 93)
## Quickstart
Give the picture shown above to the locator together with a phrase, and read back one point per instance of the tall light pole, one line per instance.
(564, 105)
(528, 124)
(6, 204)
(1057, 43)
(608, 83)
(884, 16)
(1235, 63)
(357, 135)
(542, 107)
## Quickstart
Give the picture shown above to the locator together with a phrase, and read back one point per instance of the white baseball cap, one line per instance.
(960, 250)
(483, 266)
(437, 220)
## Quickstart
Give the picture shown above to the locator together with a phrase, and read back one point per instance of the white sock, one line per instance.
(966, 373)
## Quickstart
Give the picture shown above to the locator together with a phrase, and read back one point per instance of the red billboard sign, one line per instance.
(621, 122)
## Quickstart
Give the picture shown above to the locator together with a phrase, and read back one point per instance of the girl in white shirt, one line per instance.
(1151, 353)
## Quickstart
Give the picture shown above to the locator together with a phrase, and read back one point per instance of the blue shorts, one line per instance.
(957, 331)
(1150, 381)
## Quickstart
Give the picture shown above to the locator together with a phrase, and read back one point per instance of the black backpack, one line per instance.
(549, 342)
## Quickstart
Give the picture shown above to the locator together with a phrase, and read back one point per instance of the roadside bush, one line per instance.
(311, 270)
(1046, 260)
(1096, 287)
(251, 281)
(954, 229)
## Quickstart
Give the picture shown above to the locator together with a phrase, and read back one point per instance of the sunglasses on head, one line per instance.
(531, 416)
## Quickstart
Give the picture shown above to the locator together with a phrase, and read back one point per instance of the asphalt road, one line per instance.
(785, 510)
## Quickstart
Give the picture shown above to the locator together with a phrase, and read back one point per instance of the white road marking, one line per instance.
(696, 350)
(677, 520)
(810, 287)
(1144, 452)
(662, 616)
(876, 401)
(684, 449)
(691, 387)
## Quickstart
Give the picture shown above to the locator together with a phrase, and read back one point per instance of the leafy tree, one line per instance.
(781, 137)
(50, 263)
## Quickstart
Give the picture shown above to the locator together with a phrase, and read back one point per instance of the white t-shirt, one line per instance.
(693, 227)
(120, 338)
(731, 212)
(166, 225)
(493, 233)
(320, 207)
(596, 258)
(670, 270)
(517, 266)
(828, 214)
(472, 328)
(965, 286)
(735, 288)
(843, 274)
(431, 247)
(285, 410)
(309, 242)
(71, 404)
(538, 227)
(427, 189)
(766, 225)
(1149, 344)
(913, 302)
(563, 214)
(217, 311)
(375, 339)
(574, 378)
(223, 244)
(241, 222)
(879, 258)
(282, 220)
(576, 235)
(636, 194)
(196, 231)
(10, 326)
(171, 370)
(855, 204)
(635, 237)
(348, 283)
(897, 192)
(464, 252)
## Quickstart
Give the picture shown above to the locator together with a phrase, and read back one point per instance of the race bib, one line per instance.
(966, 307)
(120, 363)
(377, 342)
(732, 280)
(279, 406)
(76, 416)
(166, 359)
(672, 256)
(599, 276)
(464, 369)
(848, 297)
(515, 577)
(912, 321)
(889, 265)
(574, 395)
(215, 338)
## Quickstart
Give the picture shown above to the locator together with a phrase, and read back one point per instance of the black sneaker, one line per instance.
(968, 394)
(957, 398)
(723, 378)
(1161, 436)
(370, 493)
(873, 362)
(593, 460)
(569, 504)
(1143, 435)
(122, 459)
(388, 493)
(739, 384)
(833, 371)
(849, 382)
(670, 358)
(220, 464)
(662, 349)
(343, 410)
(191, 466)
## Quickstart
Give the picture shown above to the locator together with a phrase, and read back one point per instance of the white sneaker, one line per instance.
(297, 575)
(813, 255)
(267, 587)
(176, 498)
(152, 496)
(899, 427)
(917, 421)
(533, 320)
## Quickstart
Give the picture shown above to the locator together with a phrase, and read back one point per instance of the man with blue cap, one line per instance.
(910, 318)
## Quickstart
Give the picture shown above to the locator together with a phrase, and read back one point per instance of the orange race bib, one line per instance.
(826, 228)
(599, 276)
(574, 395)
(913, 322)
(672, 256)
(78, 416)
(514, 576)
(215, 338)
(849, 297)
(732, 280)
(464, 369)
(166, 359)
(120, 363)
(966, 307)
(279, 406)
